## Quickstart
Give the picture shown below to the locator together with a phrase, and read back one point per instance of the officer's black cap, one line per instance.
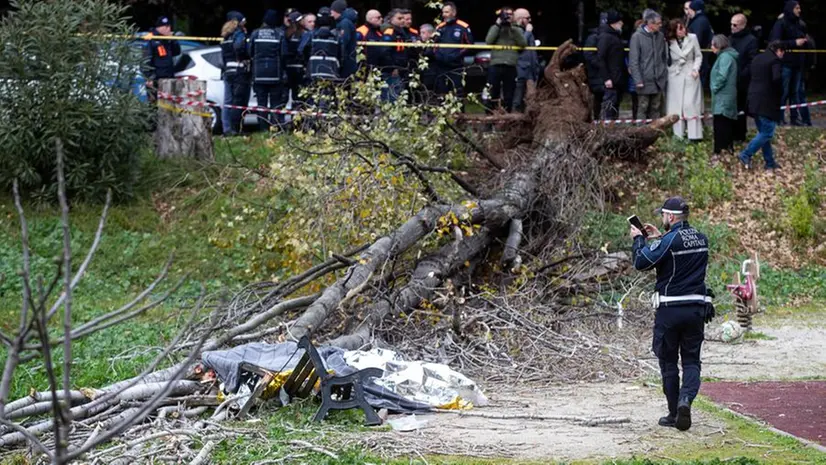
(295, 17)
(162, 21)
(235, 16)
(675, 206)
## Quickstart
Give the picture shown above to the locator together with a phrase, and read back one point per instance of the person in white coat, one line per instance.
(685, 91)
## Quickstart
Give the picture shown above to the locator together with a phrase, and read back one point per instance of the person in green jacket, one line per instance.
(724, 93)
(503, 63)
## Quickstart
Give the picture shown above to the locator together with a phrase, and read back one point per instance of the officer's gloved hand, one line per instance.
(709, 314)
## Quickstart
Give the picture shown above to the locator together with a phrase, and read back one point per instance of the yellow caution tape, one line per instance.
(403, 44)
(177, 109)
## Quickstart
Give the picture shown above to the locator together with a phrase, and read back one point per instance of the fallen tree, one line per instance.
(508, 237)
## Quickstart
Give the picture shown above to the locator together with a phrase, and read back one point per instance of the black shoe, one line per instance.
(668, 421)
(683, 420)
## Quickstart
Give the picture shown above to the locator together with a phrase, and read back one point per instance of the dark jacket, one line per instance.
(528, 66)
(747, 48)
(161, 57)
(267, 48)
(347, 31)
(395, 58)
(369, 33)
(234, 52)
(452, 32)
(787, 30)
(766, 86)
(611, 57)
(701, 27)
(591, 67)
(681, 259)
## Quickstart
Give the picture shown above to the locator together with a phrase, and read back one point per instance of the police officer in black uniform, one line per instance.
(681, 301)
(295, 62)
(325, 51)
(267, 48)
(161, 53)
(236, 70)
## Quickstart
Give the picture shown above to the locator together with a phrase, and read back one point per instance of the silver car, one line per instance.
(205, 64)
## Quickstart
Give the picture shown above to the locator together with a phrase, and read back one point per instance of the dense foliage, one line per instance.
(342, 182)
(67, 71)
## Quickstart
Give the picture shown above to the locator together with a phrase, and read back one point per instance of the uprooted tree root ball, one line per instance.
(501, 290)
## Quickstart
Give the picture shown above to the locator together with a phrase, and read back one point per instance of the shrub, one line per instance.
(801, 216)
(62, 75)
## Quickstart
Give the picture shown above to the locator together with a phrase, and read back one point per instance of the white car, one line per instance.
(205, 64)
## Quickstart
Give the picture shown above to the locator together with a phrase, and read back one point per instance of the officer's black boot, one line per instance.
(683, 420)
(669, 420)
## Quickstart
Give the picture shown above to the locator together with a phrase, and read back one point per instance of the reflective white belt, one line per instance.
(295, 66)
(657, 299)
(318, 57)
(233, 64)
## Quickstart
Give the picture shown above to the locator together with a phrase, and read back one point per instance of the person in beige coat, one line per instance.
(685, 91)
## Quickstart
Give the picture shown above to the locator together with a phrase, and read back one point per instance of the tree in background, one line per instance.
(68, 72)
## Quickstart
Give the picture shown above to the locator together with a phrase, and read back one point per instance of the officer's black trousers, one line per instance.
(678, 334)
(449, 78)
(270, 96)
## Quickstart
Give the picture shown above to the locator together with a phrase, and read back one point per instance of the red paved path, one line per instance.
(797, 407)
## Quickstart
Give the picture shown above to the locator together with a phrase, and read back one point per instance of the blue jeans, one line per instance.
(226, 121)
(238, 85)
(763, 140)
(791, 92)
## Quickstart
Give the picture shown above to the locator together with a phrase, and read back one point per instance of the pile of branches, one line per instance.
(504, 296)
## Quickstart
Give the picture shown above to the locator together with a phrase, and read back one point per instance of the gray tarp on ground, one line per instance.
(284, 357)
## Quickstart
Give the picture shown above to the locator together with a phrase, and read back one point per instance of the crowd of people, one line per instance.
(287, 54)
(292, 51)
(666, 72)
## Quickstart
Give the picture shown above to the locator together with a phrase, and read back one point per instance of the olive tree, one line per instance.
(69, 71)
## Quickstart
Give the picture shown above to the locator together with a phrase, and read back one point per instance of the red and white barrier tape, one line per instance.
(194, 103)
(609, 122)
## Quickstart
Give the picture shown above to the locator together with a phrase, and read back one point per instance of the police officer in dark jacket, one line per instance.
(161, 53)
(323, 50)
(294, 61)
(236, 71)
(681, 302)
(267, 48)
(611, 65)
(449, 61)
(745, 43)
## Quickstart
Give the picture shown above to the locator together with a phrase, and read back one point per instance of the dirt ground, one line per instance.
(796, 352)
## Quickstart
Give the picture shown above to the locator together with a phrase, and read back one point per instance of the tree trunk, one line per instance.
(183, 130)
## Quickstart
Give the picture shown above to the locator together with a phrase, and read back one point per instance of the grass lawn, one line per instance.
(176, 210)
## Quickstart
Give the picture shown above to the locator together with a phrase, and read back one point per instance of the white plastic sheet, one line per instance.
(434, 384)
